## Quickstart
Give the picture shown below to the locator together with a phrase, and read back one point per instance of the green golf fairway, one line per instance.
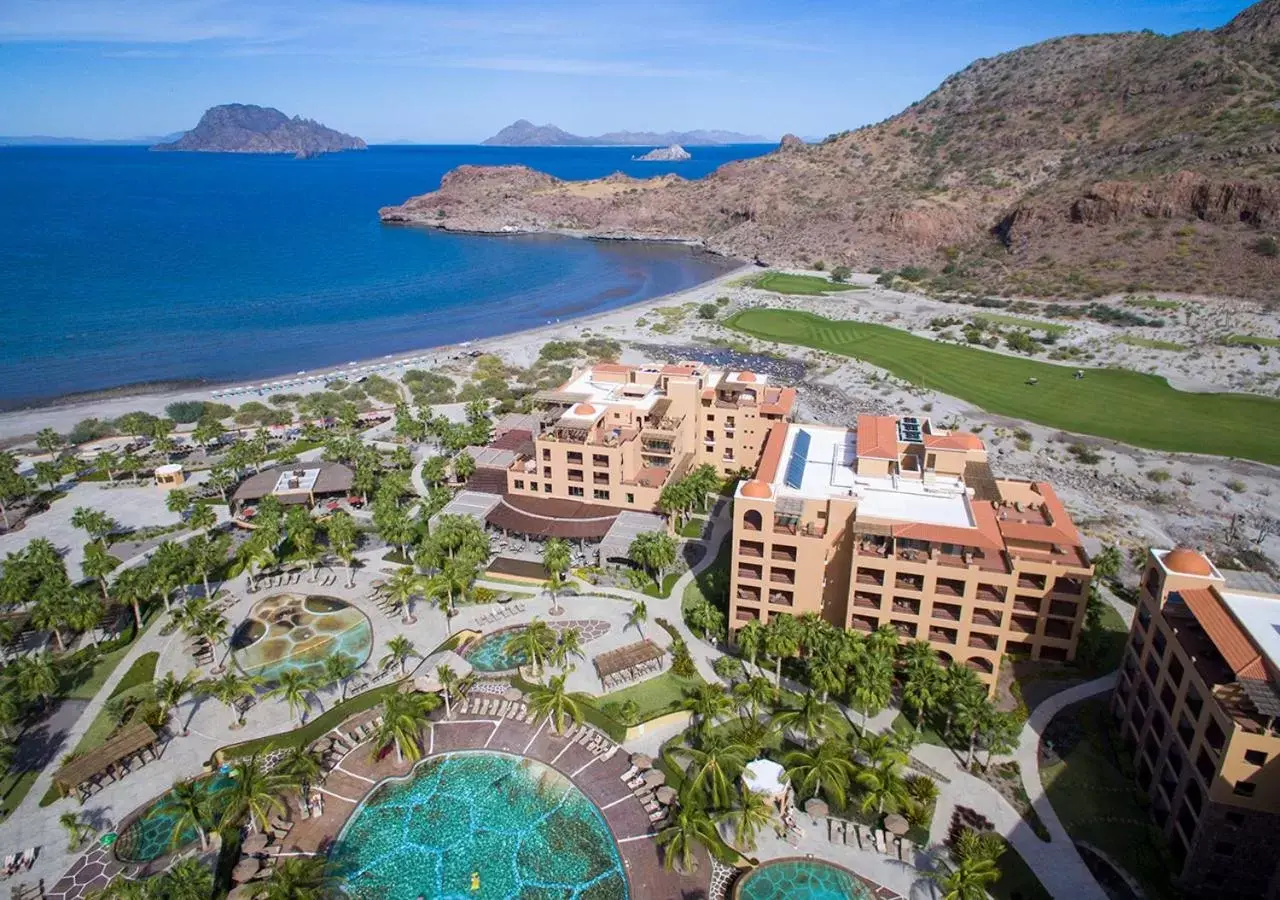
(1113, 403)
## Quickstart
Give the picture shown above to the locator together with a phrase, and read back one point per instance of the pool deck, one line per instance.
(596, 777)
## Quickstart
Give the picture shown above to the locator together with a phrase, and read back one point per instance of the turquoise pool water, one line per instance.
(297, 632)
(150, 835)
(490, 654)
(800, 879)
(520, 826)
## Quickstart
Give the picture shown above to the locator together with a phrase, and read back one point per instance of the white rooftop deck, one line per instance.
(609, 393)
(1258, 614)
(828, 473)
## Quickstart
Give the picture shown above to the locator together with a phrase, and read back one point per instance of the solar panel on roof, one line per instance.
(909, 430)
(799, 454)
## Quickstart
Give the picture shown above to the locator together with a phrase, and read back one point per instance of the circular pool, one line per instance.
(150, 834)
(490, 653)
(480, 825)
(298, 632)
(800, 879)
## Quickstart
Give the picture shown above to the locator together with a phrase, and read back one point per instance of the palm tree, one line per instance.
(342, 539)
(51, 610)
(76, 829)
(872, 684)
(254, 793)
(751, 814)
(97, 524)
(300, 764)
(123, 888)
(295, 689)
(84, 614)
(756, 692)
(171, 690)
(36, 677)
(403, 715)
(960, 681)
(638, 616)
(569, 644)
(399, 651)
(131, 586)
(554, 702)
(780, 640)
(97, 564)
(188, 879)
(826, 770)
(689, 829)
(230, 689)
(206, 555)
(297, 878)
(534, 643)
(402, 587)
(709, 702)
(883, 788)
(177, 501)
(187, 804)
(812, 718)
(448, 684)
(972, 866)
(556, 558)
(712, 767)
(922, 685)
(827, 670)
(339, 669)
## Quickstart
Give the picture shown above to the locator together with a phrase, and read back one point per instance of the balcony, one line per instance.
(942, 635)
(945, 612)
(1022, 625)
(781, 598)
(1024, 605)
(949, 587)
(748, 594)
(870, 576)
(751, 549)
(808, 529)
(989, 593)
(656, 448)
(909, 582)
(574, 458)
(600, 460)
(954, 560)
(986, 618)
(980, 641)
(1032, 582)
(1070, 587)
(1067, 609)
(782, 576)
(752, 573)
(782, 553)
(745, 615)
(575, 477)
(864, 600)
(863, 623)
(878, 548)
(1056, 628)
(600, 478)
(905, 629)
(909, 607)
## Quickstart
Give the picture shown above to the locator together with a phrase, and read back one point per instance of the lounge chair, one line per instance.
(635, 783)
(629, 774)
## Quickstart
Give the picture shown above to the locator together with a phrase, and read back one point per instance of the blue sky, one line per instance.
(457, 71)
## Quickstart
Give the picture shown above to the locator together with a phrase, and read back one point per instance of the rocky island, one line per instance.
(245, 128)
(674, 153)
(523, 133)
(987, 187)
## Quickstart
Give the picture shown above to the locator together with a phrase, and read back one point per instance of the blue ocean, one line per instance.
(121, 267)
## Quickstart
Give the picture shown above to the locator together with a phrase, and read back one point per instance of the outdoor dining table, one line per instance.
(895, 824)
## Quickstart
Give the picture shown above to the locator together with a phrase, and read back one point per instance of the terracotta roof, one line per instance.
(784, 403)
(759, 490)
(1186, 561)
(878, 437)
(1058, 529)
(1227, 635)
(771, 453)
(612, 367)
(746, 377)
(960, 440)
(551, 517)
(584, 409)
(511, 440)
(949, 534)
(678, 370)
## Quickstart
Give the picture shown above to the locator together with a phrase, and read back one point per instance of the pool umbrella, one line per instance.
(246, 869)
(513, 694)
(654, 778)
(816, 808)
(895, 824)
(254, 844)
(640, 761)
(665, 794)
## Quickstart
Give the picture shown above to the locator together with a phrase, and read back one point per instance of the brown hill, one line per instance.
(1073, 167)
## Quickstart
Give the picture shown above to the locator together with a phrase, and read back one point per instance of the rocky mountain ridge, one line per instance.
(1075, 167)
(523, 133)
(245, 128)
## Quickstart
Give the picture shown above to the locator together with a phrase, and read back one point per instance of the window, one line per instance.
(546, 488)
(546, 453)
(631, 498)
(546, 471)
(1244, 788)
(1255, 757)
(519, 484)
(575, 492)
(533, 485)
(600, 495)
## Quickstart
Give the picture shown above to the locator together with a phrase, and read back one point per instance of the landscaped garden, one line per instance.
(1116, 403)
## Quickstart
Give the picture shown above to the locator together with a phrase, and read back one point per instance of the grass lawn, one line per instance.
(1252, 339)
(1029, 324)
(14, 788)
(84, 682)
(905, 726)
(657, 696)
(1017, 881)
(782, 283)
(1098, 802)
(1152, 343)
(1152, 303)
(712, 583)
(693, 527)
(300, 737)
(668, 582)
(1114, 403)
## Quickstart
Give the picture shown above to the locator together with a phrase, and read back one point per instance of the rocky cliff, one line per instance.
(1072, 167)
(674, 153)
(244, 128)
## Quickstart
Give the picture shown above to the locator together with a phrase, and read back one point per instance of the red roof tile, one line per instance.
(771, 453)
(1227, 635)
(960, 440)
(878, 437)
(783, 405)
(949, 534)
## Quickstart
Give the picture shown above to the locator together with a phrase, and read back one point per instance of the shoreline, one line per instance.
(63, 412)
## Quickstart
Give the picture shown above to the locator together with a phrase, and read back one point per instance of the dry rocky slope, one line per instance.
(1076, 167)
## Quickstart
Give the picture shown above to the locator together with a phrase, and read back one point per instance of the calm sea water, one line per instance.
(119, 266)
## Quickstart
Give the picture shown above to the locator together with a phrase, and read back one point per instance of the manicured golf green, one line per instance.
(784, 283)
(1114, 403)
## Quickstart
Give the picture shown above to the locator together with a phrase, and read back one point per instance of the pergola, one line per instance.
(129, 742)
(629, 662)
(624, 530)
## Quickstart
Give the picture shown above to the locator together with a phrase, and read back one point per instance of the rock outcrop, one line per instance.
(674, 153)
(1074, 167)
(244, 128)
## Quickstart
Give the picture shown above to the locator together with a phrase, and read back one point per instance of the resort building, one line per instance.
(615, 435)
(306, 483)
(1196, 700)
(898, 522)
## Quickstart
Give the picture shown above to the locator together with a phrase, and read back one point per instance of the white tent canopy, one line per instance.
(764, 776)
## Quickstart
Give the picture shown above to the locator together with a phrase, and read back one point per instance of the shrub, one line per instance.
(707, 311)
(1266, 246)
(1021, 342)
(1237, 486)
(1084, 455)
(557, 350)
(681, 660)
(841, 273)
(1159, 476)
(722, 301)
(89, 430)
(184, 411)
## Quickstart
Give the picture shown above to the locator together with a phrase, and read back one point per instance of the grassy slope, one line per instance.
(1115, 403)
(783, 283)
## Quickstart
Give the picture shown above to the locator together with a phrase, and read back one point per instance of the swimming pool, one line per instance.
(150, 836)
(480, 825)
(295, 631)
(800, 879)
(490, 653)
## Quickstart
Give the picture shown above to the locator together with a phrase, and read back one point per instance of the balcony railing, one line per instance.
(781, 576)
(783, 554)
(870, 576)
(779, 598)
(753, 551)
(906, 583)
(754, 573)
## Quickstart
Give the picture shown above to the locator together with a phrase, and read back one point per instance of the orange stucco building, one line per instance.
(898, 522)
(1197, 700)
(615, 435)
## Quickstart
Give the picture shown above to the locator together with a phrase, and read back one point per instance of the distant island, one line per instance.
(674, 153)
(49, 140)
(524, 133)
(245, 128)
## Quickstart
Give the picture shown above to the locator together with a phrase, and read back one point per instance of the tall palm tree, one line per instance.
(296, 689)
(402, 587)
(872, 684)
(448, 685)
(923, 684)
(187, 804)
(750, 639)
(51, 611)
(97, 564)
(343, 537)
(171, 690)
(403, 715)
(883, 788)
(752, 813)
(689, 828)
(712, 768)
(202, 518)
(827, 670)
(207, 554)
(230, 689)
(534, 642)
(568, 645)
(187, 879)
(399, 651)
(300, 764)
(781, 640)
(960, 682)
(812, 718)
(638, 616)
(339, 669)
(254, 794)
(709, 702)
(971, 868)
(36, 677)
(554, 702)
(556, 558)
(130, 585)
(826, 770)
(754, 693)
(297, 878)
(84, 613)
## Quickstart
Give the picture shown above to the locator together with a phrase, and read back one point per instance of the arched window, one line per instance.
(752, 520)
(980, 664)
